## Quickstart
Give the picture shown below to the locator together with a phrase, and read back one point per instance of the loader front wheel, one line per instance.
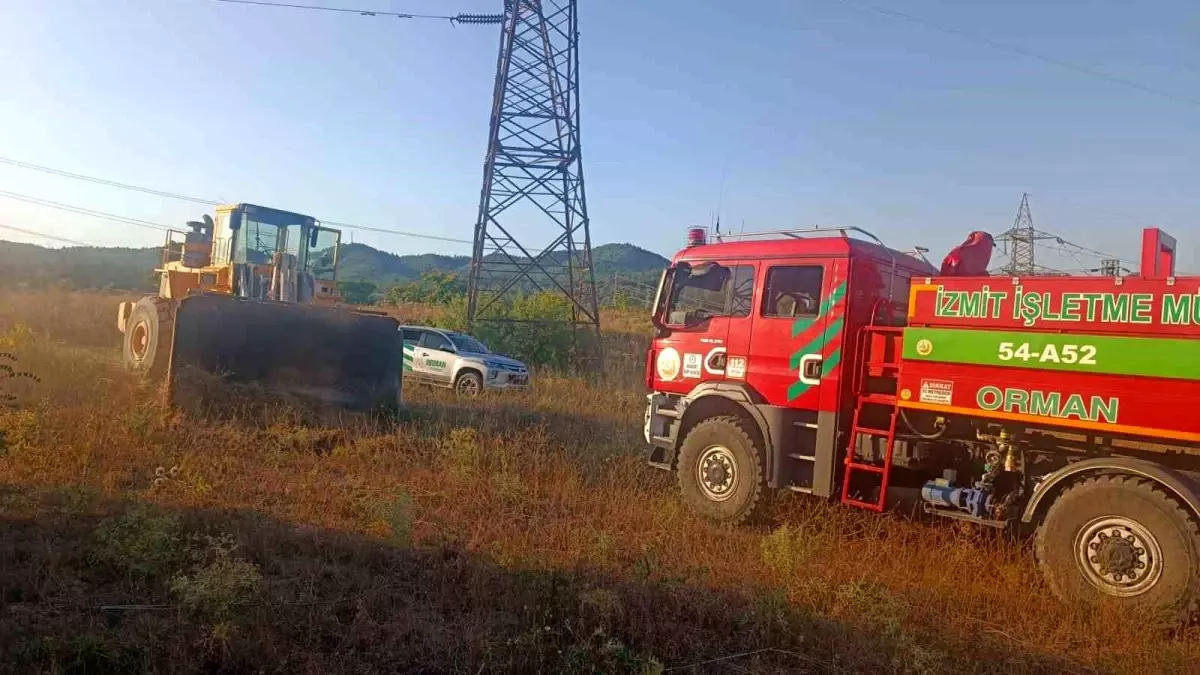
(148, 333)
(721, 471)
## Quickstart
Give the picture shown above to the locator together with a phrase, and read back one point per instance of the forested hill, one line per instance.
(27, 265)
(363, 263)
(30, 266)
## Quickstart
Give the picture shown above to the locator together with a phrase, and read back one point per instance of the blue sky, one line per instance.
(815, 111)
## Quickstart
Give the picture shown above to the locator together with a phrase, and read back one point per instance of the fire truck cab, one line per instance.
(753, 334)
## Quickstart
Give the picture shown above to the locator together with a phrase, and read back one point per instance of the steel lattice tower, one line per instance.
(533, 186)
(1019, 242)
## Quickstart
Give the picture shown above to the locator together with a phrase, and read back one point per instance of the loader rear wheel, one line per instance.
(721, 471)
(1122, 538)
(148, 334)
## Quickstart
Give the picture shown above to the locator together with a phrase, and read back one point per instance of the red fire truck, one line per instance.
(825, 363)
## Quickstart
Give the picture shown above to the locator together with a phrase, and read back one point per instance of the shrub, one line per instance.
(357, 292)
(218, 581)
(18, 428)
(602, 653)
(9, 373)
(399, 516)
(461, 452)
(541, 333)
(787, 550)
(17, 336)
(143, 543)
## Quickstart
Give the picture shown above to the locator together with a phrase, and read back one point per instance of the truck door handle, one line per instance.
(810, 368)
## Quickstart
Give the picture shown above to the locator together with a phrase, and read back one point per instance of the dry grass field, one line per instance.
(514, 534)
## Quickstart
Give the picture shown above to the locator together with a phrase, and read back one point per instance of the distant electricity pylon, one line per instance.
(1019, 242)
(533, 174)
(1110, 267)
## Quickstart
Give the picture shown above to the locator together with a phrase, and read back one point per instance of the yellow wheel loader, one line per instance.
(250, 298)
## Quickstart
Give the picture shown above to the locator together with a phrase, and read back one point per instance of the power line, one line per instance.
(1067, 249)
(1102, 254)
(474, 19)
(87, 212)
(351, 226)
(1067, 65)
(43, 235)
(163, 228)
(1063, 244)
(104, 181)
(1054, 197)
(181, 197)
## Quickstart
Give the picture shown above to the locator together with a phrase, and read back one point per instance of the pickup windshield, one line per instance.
(466, 343)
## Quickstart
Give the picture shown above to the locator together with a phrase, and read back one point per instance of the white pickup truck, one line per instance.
(448, 359)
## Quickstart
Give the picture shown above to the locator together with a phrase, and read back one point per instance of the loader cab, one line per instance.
(277, 254)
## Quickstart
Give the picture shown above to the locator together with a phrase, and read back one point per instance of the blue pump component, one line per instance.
(976, 502)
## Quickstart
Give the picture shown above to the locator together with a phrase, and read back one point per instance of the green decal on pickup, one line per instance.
(435, 364)
(1106, 354)
(409, 350)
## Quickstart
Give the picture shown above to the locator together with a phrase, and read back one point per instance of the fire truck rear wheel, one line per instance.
(720, 471)
(1122, 538)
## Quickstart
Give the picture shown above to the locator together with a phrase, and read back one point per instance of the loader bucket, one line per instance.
(230, 350)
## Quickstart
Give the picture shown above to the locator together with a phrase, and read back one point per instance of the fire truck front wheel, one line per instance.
(1124, 538)
(720, 470)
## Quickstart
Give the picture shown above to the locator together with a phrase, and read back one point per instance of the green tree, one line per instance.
(541, 333)
(434, 287)
(357, 292)
(622, 299)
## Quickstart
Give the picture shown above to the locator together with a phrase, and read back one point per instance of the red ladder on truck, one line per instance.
(879, 349)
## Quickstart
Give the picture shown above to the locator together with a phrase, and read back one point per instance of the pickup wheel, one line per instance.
(720, 471)
(468, 383)
(1124, 538)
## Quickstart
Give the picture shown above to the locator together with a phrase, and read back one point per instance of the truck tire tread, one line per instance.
(163, 311)
(1155, 498)
(755, 502)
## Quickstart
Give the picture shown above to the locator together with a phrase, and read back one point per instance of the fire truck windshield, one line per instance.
(705, 290)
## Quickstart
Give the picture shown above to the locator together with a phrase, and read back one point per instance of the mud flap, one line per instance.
(229, 351)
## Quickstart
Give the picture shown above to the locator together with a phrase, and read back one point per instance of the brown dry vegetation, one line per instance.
(516, 534)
